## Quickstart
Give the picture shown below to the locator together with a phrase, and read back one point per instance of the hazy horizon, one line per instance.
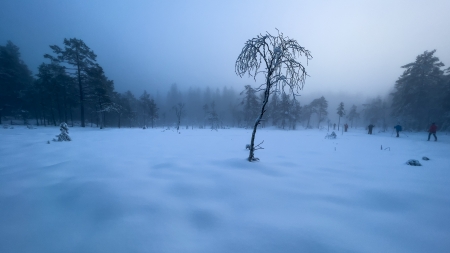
(358, 47)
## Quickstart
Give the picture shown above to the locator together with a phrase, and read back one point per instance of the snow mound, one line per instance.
(413, 162)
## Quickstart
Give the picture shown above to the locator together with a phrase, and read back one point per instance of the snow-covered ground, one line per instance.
(134, 190)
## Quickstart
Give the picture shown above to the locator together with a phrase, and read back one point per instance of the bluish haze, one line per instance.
(358, 46)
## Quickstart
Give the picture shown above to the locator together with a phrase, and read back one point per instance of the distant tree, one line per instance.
(131, 104)
(194, 98)
(278, 57)
(308, 111)
(352, 115)
(120, 107)
(212, 116)
(236, 115)
(56, 90)
(179, 113)
(250, 104)
(284, 110)
(340, 112)
(153, 111)
(320, 107)
(274, 109)
(99, 93)
(144, 100)
(446, 101)
(77, 54)
(376, 112)
(15, 78)
(296, 112)
(418, 90)
(149, 108)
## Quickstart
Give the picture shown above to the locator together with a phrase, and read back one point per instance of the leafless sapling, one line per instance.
(276, 58)
(179, 112)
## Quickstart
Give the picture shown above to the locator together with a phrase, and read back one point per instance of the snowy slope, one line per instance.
(134, 190)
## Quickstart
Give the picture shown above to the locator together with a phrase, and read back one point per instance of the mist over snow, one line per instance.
(356, 46)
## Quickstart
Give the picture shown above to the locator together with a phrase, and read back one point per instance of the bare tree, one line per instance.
(179, 112)
(275, 57)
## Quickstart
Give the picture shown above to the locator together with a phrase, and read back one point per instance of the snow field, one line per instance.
(134, 190)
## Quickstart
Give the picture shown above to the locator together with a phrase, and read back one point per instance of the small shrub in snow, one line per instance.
(413, 162)
(331, 136)
(64, 135)
(425, 158)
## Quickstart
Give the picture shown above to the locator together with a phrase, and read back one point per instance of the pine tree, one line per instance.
(15, 78)
(274, 109)
(250, 104)
(132, 105)
(284, 110)
(296, 112)
(446, 101)
(56, 90)
(340, 112)
(77, 54)
(320, 107)
(308, 111)
(64, 135)
(418, 90)
(99, 93)
(212, 116)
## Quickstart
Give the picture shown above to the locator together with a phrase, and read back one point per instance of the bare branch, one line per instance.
(258, 146)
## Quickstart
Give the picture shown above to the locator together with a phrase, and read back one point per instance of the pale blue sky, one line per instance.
(358, 46)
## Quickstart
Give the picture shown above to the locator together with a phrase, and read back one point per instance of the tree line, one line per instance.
(72, 87)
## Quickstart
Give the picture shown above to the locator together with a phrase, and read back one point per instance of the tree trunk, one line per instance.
(58, 105)
(251, 156)
(80, 87)
(36, 115)
(53, 116)
(71, 116)
(65, 107)
(99, 120)
(320, 116)
(339, 122)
